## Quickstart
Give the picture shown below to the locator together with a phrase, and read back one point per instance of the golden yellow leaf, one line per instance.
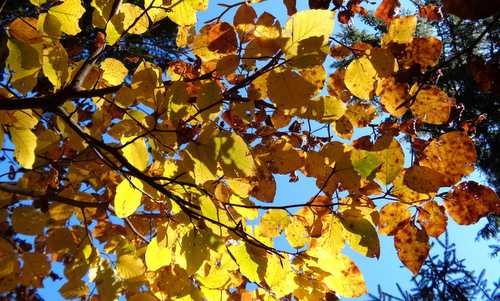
(128, 197)
(307, 31)
(296, 233)
(25, 142)
(392, 217)
(249, 266)
(62, 17)
(279, 276)
(361, 77)
(431, 105)
(157, 255)
(443, 156)
(114, 72)
(135, 151)
(401, 30)
(55, 64)
(129, 266)
(360, 234)
(125, 22)
(24, 61)
(273, 222)
(345, 277)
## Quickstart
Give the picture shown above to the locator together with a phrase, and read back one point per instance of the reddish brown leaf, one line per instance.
(386, 10)
(222, 38)
(430, 12)
(469, 201)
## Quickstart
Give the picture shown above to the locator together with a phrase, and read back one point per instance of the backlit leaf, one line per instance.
(432, 218)
(25, 142)
(114, 71)
(443, 156)
(135, 151)
(392, 217)
(128, 197)
(412, 245)
(308, 31)
(468, 202)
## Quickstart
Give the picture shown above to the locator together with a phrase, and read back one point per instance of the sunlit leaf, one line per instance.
(412, 245)
(127, 197)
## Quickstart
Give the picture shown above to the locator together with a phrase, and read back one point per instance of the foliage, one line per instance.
(136, 176)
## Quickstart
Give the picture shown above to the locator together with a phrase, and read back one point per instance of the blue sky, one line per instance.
(387, 270)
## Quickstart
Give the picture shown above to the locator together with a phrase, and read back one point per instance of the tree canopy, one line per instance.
(150, 173)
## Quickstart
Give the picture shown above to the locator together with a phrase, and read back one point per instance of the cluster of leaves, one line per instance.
(138, 177)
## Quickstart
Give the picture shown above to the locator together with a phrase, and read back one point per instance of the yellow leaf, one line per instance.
(125, 22)
(24, 61)
(325, 109)
(289, 90)
(55, 64)
(392, 217)
(234, 155)
(431, 105)
(360, 78)
(157, 255)
(249, 267)
(25, 142)
(390, 153)
(114, 72)
(308, 31)
(445, 157)
(135, 151)
(182, 13)
(361, 235)
(345, 277)
(63, 17)
(128, 197)
(401, 30)
(274, 222)
(296, 233)
(280, 276)
(130, 266)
